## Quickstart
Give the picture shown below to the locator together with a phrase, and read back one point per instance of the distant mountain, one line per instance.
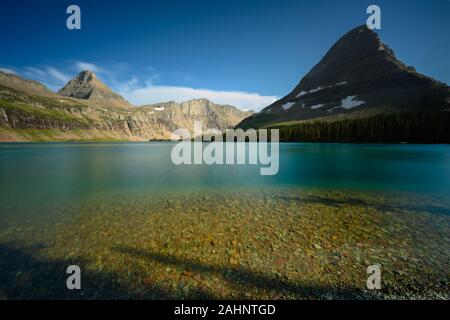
(87, 86)
(86, 109)
(158, 121)
(358, 77)
(182, 115)
(29, 86)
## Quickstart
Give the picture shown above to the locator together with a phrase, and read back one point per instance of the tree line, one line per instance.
(417, 127)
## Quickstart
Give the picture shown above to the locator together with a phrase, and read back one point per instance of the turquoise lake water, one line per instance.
(33, 173)
(37, 177)
(128, 215)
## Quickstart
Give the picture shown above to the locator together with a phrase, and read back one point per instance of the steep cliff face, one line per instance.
(183, 115)
(28, 111)
(359, 76)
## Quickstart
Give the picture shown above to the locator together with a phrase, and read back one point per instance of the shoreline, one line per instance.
(282, 245)
(206, 142)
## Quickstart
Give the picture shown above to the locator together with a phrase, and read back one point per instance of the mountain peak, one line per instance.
(359, 75)
(359, 52)
(87, 86)
(86, 75)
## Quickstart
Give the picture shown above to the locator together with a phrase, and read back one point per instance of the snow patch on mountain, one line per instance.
(351, 102)
(302, 93)
(334, 108)
(288, 105)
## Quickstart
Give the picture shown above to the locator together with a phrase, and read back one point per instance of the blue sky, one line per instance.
(245, 53)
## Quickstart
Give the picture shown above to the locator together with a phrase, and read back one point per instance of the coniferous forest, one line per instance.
(424, 127)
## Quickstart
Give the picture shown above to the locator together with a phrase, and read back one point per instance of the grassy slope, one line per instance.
(48, 135)
(39, 108)
(39, 112)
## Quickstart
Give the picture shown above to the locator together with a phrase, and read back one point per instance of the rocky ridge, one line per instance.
(86, 109)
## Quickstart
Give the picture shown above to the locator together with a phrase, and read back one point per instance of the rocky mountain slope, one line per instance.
(87, 86)
(358, 77)
(182, 115)
(86, 109)
(27, 86)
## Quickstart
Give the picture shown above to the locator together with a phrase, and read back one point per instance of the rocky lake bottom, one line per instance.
(283, 243)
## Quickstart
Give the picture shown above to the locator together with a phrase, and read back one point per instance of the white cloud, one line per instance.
(140, 90)
(50, 76)
(7, 70)
(33, 72)
(58, 75)
(155, 94)
(82, 66)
